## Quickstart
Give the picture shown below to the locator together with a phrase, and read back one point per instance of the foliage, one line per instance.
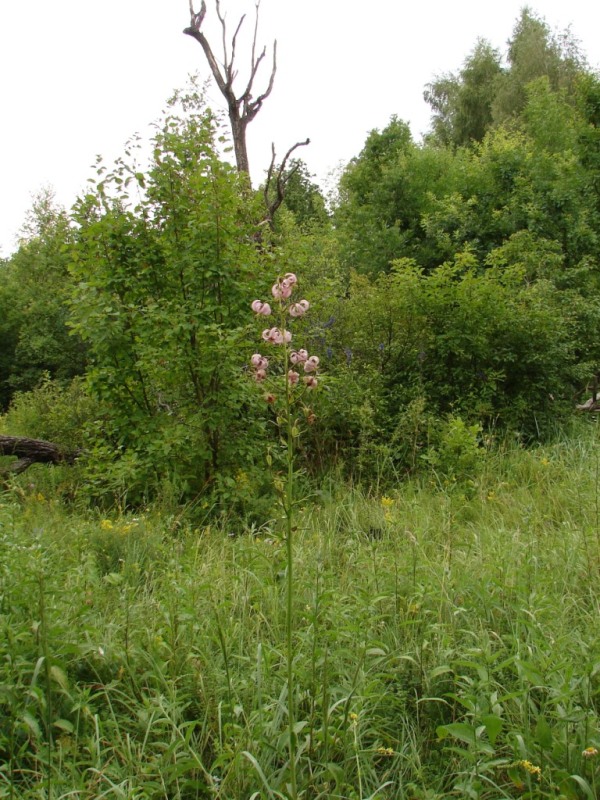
(489, 346)
(9, 333)
(303, 197)
(165, 263)
(486, 94)
(429, 203)
(462, 104)
(51, 411)
(35, 338)
(534, 52)
(445, 646)
(457, 281)
(384, 194)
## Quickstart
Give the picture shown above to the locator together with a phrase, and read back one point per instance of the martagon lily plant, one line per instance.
(286, 391)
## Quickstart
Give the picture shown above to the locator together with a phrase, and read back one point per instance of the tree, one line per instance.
(485, 94)
(10, 319)
(34, 332)
(300, 195)
(241, 109)
(384, 194)
(462, 104)
(534, 52)
(164, 279)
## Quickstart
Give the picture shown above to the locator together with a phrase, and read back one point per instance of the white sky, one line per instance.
(78, 78)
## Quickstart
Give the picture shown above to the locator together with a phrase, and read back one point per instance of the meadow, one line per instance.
(445, 641)
(246, 589)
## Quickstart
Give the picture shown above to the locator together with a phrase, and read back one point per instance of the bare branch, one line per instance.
(195, 32)
(226, 65)
(244, 108)
(589, 405)
(281, 180)
(30, 451)
(251, 109)
(253, 58)
(17, 467)
(197, 19)
(269, 176)
(233, 42)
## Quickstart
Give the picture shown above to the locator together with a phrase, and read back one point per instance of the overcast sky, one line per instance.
(79, 77)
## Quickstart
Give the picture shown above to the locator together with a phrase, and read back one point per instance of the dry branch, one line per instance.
(31, 451)
(279, 179)
(244, 108)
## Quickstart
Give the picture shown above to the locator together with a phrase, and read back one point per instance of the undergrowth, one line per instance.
(445, 638)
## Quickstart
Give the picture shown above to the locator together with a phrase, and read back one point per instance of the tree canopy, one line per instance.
(456, 278)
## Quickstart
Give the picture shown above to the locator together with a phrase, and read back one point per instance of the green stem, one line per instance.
(45, 651)
(289, 508)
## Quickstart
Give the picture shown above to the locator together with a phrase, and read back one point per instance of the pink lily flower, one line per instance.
(298, 356)
(258, 361)
(281, 291)
(275, 336)
(261, 308)
(311, 364)
(299, 309)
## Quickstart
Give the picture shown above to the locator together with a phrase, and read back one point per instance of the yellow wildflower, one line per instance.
(241, 478)
(385, 751)
(106, 525)
(532, 769)
(590, 752)
(387, 502)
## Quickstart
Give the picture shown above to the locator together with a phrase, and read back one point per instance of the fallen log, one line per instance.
(32, 451)
(593, 404)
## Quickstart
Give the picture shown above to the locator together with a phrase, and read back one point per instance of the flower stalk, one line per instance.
(291, 362)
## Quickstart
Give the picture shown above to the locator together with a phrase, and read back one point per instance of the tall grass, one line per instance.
(445, 639)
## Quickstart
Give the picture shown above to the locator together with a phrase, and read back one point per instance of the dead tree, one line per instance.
(32, 451)
(243, 108)
(277, 180)
(593, 403)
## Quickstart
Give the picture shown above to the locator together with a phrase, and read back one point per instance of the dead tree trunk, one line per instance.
(277, 180)
(31, 451)
(243, 108)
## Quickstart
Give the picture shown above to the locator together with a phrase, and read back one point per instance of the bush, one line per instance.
(488, 348)
(162, 302)
(53, 411)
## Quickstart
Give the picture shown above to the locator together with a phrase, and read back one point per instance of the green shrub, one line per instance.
(456, 454)
(162, 301)
(488, 347)
(53, 411)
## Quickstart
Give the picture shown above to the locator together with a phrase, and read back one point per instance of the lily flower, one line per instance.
(261, 308)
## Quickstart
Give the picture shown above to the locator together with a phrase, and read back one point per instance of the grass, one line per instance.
(445, 641)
